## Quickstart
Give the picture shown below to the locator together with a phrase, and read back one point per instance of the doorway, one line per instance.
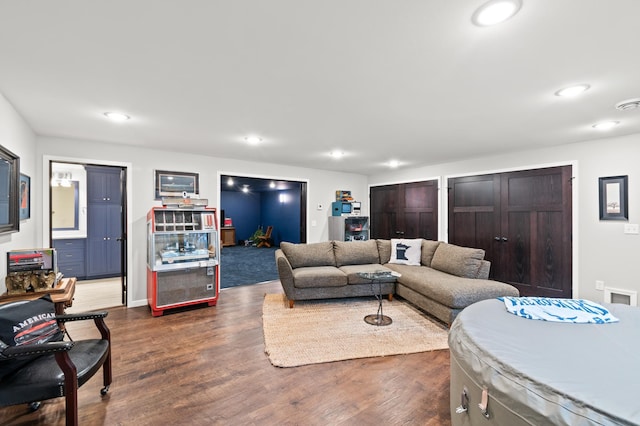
(87, 226)
(251, 206)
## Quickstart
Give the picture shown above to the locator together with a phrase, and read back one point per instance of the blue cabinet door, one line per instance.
(103, 185)
(103, 251)
(104, 221)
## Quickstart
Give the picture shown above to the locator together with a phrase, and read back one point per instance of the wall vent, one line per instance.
(617, 295)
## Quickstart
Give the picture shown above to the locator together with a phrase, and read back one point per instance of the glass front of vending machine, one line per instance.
(182, 258)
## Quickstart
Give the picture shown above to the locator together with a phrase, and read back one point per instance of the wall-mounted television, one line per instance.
(41, 259)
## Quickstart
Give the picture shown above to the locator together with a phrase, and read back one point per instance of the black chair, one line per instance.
(59, 369)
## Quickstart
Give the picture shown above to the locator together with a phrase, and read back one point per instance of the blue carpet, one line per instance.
(240, 265)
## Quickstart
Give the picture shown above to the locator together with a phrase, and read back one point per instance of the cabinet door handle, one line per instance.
(496, 238)
(504, 239)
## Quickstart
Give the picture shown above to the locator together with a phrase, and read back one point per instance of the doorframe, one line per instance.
(574, 207)
(46, 206)
(304, 194)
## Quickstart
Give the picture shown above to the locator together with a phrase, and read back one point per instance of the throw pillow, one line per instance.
(406, 252)
(27, 322)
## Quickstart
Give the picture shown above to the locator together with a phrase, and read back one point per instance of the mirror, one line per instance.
(9, 187)
(65, 207)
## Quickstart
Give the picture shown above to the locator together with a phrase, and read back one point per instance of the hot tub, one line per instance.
(544, 373)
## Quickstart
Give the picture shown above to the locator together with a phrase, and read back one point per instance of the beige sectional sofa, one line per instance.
(442, 281)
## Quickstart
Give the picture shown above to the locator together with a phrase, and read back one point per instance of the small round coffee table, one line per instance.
(378, 277)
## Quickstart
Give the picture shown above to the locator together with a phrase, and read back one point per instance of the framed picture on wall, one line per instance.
(25, 197)
(614, 198)
(176, 184)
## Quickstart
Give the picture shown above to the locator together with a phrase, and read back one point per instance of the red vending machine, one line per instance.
(182, 257)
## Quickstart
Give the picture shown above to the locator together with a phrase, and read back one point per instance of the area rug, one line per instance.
(315, 332)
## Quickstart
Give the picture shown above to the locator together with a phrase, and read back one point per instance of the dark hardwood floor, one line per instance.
(207, 366)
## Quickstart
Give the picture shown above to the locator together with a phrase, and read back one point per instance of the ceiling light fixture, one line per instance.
(394, 164)
(253, 140)
(230, 182)
(116, 116)
(571, 91)
(245, 188)
(272, 184)
(606, 125)
(628, 104)
(337, 154)
(495, 11)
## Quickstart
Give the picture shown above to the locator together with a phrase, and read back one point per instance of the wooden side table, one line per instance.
(61, 295)
(228, 236)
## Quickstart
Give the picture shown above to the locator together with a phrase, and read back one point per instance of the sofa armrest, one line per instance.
(483, 272)
(285, 272)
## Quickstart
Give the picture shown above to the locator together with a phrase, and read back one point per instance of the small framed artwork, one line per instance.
(176, 184)
(614, 198)
(25, 197)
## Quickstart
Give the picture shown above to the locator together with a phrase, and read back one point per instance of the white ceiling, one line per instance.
(411, 80)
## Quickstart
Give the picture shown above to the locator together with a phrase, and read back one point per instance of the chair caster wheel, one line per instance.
(104, 390)
(33, 406)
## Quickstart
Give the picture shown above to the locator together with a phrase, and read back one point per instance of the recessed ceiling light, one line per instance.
(628, 104)
(337, 154)
(272, 184)
(116, 116)
(495, 11)
(230, 182)
(245, 188)
(606, 125)
(253, 140)
(571, 91)
(394, 164)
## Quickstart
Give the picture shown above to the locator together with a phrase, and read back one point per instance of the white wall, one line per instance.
(17, 137)
(601, 250)
(321, 188)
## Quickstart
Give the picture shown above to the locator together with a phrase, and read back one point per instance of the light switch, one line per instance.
(630, 228)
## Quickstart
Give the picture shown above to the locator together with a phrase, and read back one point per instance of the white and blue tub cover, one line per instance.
(558, 310)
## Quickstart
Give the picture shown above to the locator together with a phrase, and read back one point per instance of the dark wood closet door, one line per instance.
(526, 232)
(407, 210)
(474, 215)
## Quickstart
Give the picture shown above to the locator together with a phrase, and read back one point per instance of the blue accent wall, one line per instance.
(248, 211)
(244, 211)
(283, 216)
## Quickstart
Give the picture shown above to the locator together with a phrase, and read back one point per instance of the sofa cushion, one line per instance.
(319, 276)
(315, 254)
(384, 250)
(449, 290)
(354, 278)
(406, 252)
(355, 252)
(428, 249)
(456, 260)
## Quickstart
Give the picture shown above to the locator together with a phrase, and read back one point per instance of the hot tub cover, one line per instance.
(553, 372)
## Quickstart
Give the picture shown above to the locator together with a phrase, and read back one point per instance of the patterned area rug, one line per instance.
(314, 332)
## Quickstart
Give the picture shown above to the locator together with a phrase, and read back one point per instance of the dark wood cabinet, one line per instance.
(104, 222)
(406, 210)
(523, 222)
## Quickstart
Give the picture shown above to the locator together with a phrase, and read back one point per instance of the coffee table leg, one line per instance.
(378, 318)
